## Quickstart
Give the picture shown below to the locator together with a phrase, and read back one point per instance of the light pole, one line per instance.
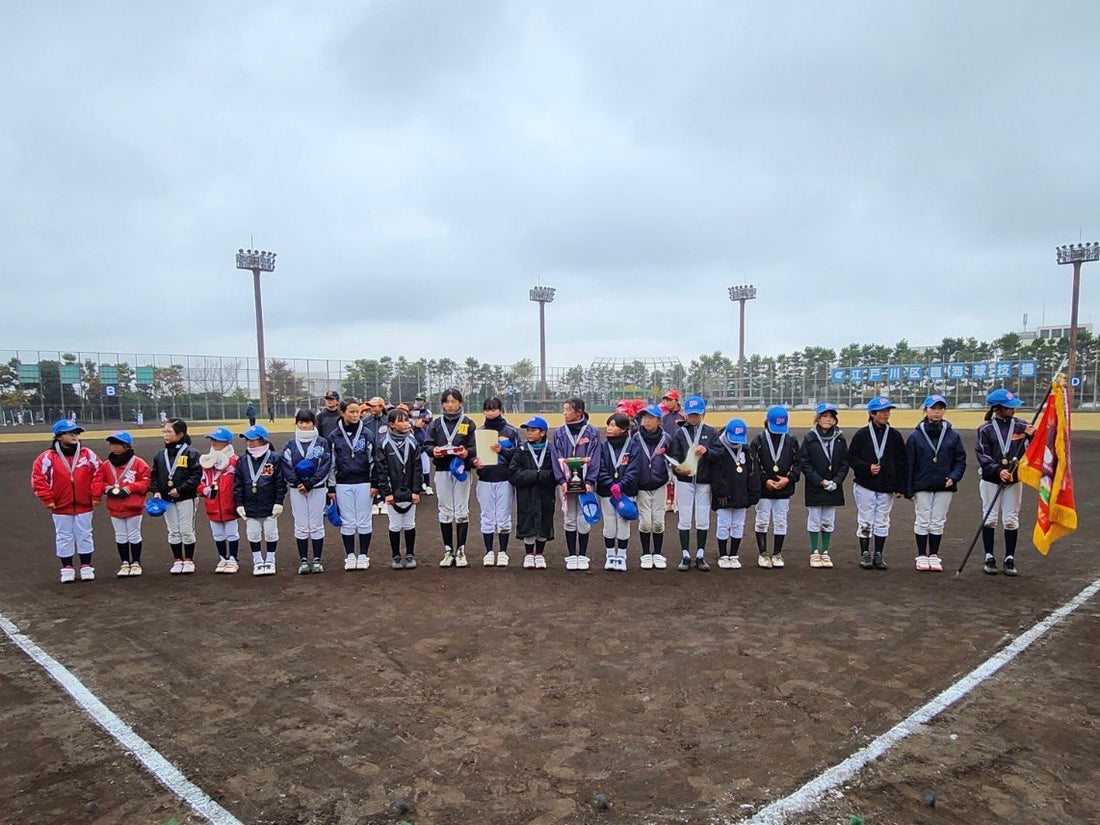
(1076, 255)
(542, 295)
(741, 294)
(258, 261)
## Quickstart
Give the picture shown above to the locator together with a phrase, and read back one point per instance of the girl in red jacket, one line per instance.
(124, 480)
(62, 480)
(219, 468)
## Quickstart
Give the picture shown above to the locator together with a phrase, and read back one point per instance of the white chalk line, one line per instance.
(164, 771)
(807, 797)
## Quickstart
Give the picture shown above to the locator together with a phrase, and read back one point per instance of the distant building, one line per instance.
(1053, 332)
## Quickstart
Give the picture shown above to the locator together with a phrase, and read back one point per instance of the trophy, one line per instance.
(449, 450)
(575, 481)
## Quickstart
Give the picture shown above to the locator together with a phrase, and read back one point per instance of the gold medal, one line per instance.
(253, 489)
(171, 483)
(775, 468)
(740, 469)
(1004, 462)
(115, 491)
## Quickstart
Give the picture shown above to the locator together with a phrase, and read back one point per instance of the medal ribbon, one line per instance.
(449, 433)
(255, 473)
(878, 448)
(615, 459)
(645, 449)
(827, 445)
(775, 453)
(1006, 443)
(119, 476)
(738, 456)
(939, 442)
(401, 451)
(358, 434)
(171, 467)
(71, 465)
(538, 456)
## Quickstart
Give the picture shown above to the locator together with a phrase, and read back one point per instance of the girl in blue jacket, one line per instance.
(937, 461)
(617, 477)
(307, 462)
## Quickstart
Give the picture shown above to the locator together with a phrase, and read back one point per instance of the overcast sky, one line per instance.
(879, 170)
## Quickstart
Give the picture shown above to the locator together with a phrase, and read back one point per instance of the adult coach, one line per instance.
(328, 417)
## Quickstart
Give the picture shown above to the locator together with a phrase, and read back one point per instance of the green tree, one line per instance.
(283, 384)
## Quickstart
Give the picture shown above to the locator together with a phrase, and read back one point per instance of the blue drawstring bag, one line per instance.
(156, 507)
(332, 513)
(590, 507)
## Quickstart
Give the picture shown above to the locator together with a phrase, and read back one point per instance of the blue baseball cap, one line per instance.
(122, 437)
(695, 405)
(826, 407)
(933, 400)
(535, 423)
(652, 409)
(1003, 397)
(737, 431)
(305, 469)
(879, 403)
(777, 419)
(590, 506)
(220, 434)
(64, 426)
(458, 469)
(254, 432)
(156, 507)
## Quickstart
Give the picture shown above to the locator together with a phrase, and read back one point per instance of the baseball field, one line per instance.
(506, 696)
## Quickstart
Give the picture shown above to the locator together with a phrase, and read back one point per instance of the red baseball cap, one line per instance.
(672, 395)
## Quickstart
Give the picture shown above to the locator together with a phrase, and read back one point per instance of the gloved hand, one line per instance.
(240, 512)
(616, 491)
(830, 485)
(276, 511)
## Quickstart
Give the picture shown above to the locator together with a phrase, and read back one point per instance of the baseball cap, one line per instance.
(63, 426)
(737, 431)
(777, 419)
(590, 507)
(825, 407)
(672, 395)
(535, 423)
(254, 432)
(220, 434)
(458, 469)
(156, 506)
(933, 400)
(122, 437)
(879, 403)
(695, 405)
(653, 410)
(1001, 397)
(332, 395)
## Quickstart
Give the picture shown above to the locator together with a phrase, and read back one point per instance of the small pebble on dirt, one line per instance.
(400, 806)
(92, 807)
(930, 799)
(601, 801)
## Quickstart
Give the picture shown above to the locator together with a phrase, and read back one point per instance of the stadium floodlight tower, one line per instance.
(542, 295)
(741, 293)
(258, 261)
(1076, 255)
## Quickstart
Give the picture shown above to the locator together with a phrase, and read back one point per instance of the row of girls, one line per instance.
(623, 475)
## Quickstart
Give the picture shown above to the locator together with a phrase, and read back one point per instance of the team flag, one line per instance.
(1048, 468)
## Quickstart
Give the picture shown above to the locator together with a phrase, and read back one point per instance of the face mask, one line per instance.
(306, 436)
(258, 452)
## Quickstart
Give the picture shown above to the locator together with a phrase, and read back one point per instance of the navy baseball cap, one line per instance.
(332, 395)
(535, 423)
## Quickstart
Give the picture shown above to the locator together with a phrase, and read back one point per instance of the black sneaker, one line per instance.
(878, 562)
(684, 565)
(410, 561)
(991, 565)
(865, 560)
(396, 564)
(1010, 566)
(701, 563)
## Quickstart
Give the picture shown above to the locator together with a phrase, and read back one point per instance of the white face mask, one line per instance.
(216, 459)
(258, 451)
(306, 436)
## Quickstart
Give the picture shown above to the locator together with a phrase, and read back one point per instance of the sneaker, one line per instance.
(935, 563)
(87, 573)
(620, 564)
(646, 562)
(428, 491)
(188, 566)
(764, 560)
(540, 561)
(684, 565)
(990, 566)
(659, 562)
(735, 563)
(448, 559)
(460, 558)
(269, 567)
(349, 561)
(221, 566)
(570, 562)
(317, 567)
(502, 559)
(123, 571)
(826, 560)
(135, 568)
(362, 562)
(396, 563)
(701, 564)
(176, 568)
(68, 574)
(529, 561)
(410, 561)
(1010, 566)
(259, 568)
(922, 564)
(865, 559)
(303, 567)
(490, 559)
(609, 563)
(723, 563)
(878, 562)
(582, 562)
(777, 559)
(815, 560)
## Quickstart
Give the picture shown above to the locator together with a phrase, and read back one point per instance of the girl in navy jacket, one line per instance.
(259, 487)
(494, 492)
(617, 477)
(353, 459)
(307, 463)
(824, 456)
(937, 461)
(400, 478)
(651, 442)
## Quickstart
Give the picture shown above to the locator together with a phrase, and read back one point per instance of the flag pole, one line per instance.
(1002, 485)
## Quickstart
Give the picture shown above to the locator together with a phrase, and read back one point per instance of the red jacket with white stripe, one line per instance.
(220, 507)
(70, 493)
(136, 477)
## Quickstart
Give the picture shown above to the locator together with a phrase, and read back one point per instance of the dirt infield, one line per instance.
(513, 696)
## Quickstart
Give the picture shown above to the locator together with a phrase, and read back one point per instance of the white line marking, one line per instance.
(164, 771)
(806, 797)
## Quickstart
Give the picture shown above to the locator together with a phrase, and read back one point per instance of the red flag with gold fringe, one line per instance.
(1047, 466)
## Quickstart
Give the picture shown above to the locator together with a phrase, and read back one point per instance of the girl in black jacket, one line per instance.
(259, 487)
(937, 461)
(400, 478)
(735, 486)
(880, 467)
(176, 477)
(531, 471)
(777, 453)
(825, 465)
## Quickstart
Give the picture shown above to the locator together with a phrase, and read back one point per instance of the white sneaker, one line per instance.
(460, 558)
(448, 558)
(723, 563)
(582, 562)
(620, 564)
(815, 560)
(176, 568)
(777, 559)
(123, 571)
(734, 563)
(135, 568)
(609, 563)
(490, 559)
(231, 567)
(68, 574)
(87, 573)
(222, 564)
(540, 562)
(362, 562)
(659, 561)
(269, 567)
(646, 562)
(570, 562)
(259, 569)
(188, 566)
(428, 491)
(349, 561)
(529, 561)
(502, 559)
(764, 560)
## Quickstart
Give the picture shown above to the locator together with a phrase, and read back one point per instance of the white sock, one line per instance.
(257, 557)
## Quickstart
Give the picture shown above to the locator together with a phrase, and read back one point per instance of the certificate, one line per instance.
(485, 439)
